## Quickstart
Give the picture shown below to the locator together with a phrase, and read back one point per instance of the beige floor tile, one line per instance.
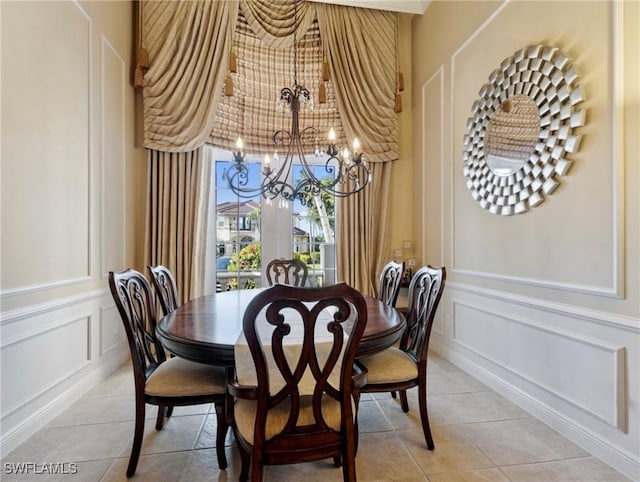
(179, 433)
(453, 451)
(473, 407)
(202, 466)
(320, 471)
(157, 468)
(384, 456)
(587, 469)
(447, 382)
(92, 410)
(520, 441)
(482, 475)
(119, 384)
(75, 444)
(371, 418)
(411, 419)
(207, 436)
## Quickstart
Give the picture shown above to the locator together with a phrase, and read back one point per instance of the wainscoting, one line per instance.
(51, 355)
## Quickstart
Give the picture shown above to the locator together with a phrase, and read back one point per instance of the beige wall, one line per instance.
(544, 306)
(72, 182)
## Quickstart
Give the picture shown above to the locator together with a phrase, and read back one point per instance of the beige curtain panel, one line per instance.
(177, 214)
(188, 45)
(363, 224)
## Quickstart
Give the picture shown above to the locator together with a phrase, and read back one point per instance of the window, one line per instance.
(249, 232)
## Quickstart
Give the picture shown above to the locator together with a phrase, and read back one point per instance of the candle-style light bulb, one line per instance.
(267, 161)
(332, 135)
(345, 154)
(356, 145)
(239, 144)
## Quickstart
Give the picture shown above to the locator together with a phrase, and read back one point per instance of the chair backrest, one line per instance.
(328, 322)
(425, 291)
(166, 288)
(389, 283)
(291, 272)
(136, 304)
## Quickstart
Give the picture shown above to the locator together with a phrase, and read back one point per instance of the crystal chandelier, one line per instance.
(346, 171)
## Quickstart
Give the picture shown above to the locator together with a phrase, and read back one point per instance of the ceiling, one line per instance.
(406, 6)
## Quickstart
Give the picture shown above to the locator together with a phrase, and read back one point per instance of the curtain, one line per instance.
(363, 232)
(365, 90)
(176, 221)
(365, 94)
(188, 46)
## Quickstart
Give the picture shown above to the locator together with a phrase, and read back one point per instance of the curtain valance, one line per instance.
(189, 45)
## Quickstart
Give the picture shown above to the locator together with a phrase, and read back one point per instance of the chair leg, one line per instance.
(337, 461)
(137, 438)
(245, 460)
(160, 418)
(349, 462)
(404, 403)
(393, 394)
(256, 469)
(221, 433)
(424, 417)
(169, 411)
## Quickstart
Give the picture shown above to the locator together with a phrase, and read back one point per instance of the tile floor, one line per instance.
(479, 436)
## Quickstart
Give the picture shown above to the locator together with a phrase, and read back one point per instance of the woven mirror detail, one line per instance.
(521, 131)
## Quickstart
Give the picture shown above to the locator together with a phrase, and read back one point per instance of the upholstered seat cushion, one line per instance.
(389, 366)
(178, 377)
(245, 415)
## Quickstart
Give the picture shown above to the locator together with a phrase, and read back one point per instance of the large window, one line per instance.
(250, 232)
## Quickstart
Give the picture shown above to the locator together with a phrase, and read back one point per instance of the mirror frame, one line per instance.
(547, 76)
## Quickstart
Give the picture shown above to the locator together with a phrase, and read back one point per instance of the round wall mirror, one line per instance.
(520, 134)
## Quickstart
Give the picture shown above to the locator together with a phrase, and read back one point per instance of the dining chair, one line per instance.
(287, 271)
(158, 380)
(299, 402)
(166, 288)
(389, 282)
(404, 367)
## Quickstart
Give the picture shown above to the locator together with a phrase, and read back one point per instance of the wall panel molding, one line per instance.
(556, 343)
(616, 289)
(600, 317)
(61, 142)
(435, 82)
(112, 158)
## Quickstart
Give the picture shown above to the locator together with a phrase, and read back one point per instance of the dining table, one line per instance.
(207, 328)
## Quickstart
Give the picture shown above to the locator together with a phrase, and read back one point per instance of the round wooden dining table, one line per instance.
(206, 328)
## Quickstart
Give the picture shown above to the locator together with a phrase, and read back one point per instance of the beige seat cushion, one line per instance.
(390, 366)
(245, 414)
(178, 377)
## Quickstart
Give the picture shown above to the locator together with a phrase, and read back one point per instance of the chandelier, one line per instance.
(346, 171)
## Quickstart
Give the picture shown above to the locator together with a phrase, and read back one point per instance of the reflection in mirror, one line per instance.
(512, 135)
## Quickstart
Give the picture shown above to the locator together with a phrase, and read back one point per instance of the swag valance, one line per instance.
(215, 70)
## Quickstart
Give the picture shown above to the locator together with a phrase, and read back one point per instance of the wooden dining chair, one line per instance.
(404, 367)
(158, 380)
(287, 271)
(300, 407)
(389, 282)
(166, 288)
